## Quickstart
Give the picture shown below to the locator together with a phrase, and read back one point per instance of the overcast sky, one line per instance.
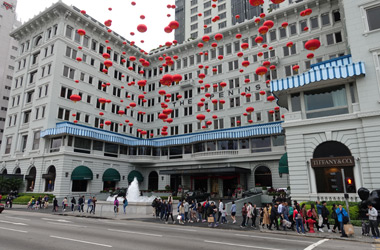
(124, 16)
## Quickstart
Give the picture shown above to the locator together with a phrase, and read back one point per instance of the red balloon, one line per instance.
(142, 28)
(142, 17)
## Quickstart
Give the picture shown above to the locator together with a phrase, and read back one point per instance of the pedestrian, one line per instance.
(193, 211)
(206, 204)
(163, 209)
(94, 200)
(73, 203)
(244, 211)
(266, 219)
(312, 213)
(170, 212)
(186, 206)
(304, 215)
(297, 217)
(181, 215)
(325, 216)
(233, 212)
(116, 206)
(31, 203)
(81, 204)
(158, 208)
(220, 208)
(199, 211)
(291, 216)
(55, 205)
(89, 204)
(154, 206)
(1, 197)
(254, 215)
(224, 216)
(39, 202)
(342, 217)
(125, 204)
(211, 211)
(249, 213)
(319, 216)
(64, 204)
(274, 217)
(285, 216)
(372, 215)
(335, 218)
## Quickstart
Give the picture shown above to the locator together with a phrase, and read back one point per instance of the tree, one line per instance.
(7, 184)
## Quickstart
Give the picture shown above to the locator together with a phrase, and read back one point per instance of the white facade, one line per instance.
(45, 94)
(8, 53)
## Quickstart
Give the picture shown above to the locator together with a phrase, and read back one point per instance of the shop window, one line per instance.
(263, 177)
(261, 144)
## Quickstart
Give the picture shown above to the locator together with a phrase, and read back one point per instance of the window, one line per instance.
(207, 13)
(278, 140)
(334, 38)
(194, 26)
(29, 96)
(194, 18)
(222, 7)
(36, 140)
(314, 22)
(222, 25)
(64, 114)
(303, 25)
(272, 35)
(234, 102)
(32, 77)
(27, 116)
(69, 31)
(235, 121)
(293, 29)
(373, 18)
(8, 145)
(82, 145)
(68, 72)
(219, 124)
(296, 102)
(325, 19)
(261, 144)
(228, 145)
(326, 102)
(194, 10)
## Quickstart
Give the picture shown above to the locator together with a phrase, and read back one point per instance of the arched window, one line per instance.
(38, 41)
(263, 177)
(31, 179)
(17, 171)
(4, 171)
(153, 181)
(50, 179)
(329, 175)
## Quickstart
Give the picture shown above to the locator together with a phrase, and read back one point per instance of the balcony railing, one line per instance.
(215, 153)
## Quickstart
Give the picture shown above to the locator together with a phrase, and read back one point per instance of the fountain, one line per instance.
(137, 205)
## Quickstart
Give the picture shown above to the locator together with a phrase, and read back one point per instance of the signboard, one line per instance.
(344, 161)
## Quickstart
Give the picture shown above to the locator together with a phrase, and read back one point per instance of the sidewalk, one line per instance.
(229, 226)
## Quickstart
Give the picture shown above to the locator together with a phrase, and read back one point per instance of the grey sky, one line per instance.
(125, 17)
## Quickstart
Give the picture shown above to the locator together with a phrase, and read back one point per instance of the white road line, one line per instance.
(238, 245)
(14, 230)
(65, 221)
(175, 228)
(312, 246)
(80, 241)
(17, 218)
(13, 223)
(271, 238)
(131, 232)
(71, 225)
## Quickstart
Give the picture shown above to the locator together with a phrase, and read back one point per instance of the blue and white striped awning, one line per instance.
(338, 68)
(68, 128)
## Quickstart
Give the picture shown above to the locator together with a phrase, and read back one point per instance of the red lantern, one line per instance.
(312, 44)
(269, 24)
(262, 15)
(308, 11)
(266, 64)
(284, 24)
(167, 29)
(223, 84)
(260, 54)
(81, 32)
(108, 63)
(174, 25)
(263, 30)
(201, 117)
(289, 44)
(257, 20)
(75, 98)
(310, 56)
(177, 78)
(218, 37)
(121, 112)
(296, 67)
(262, 92)
(162, 116)
(259, 39)
(271, 112)
(240, 54)
(142, 28)
(256, 2)
(238, 36)
(245, 63)
(202, 75)
(271, 98)
(220, 57)
(205, 38)
(244, 46)
(277, 1)
(272, 67)
(107, 123)
(261, 71)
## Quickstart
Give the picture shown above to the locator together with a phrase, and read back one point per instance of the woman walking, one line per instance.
(233, 212)
(335, 217)
(125, 204)
(170, 212)
(304, 215)
(116, 206)
(266, 220)
(181, 215)
(297, 217)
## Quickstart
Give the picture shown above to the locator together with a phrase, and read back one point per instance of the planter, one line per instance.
(1, 208)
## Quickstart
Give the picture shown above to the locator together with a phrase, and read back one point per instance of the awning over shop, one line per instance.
(225, 170)
(111, 175)
(81, 173)
(283, 167)
(137, 174)
(12, 176)
(48, 176)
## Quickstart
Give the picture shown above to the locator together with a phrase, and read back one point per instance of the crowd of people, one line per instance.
(279, 215)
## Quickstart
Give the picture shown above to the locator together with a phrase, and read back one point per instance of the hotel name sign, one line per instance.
(344, 161)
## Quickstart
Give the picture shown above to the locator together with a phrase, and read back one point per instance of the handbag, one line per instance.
(210, 219)
(348, 229)
(179, 217)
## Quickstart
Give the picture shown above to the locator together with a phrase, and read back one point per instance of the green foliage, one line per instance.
(7, 184)
(354, 208)
(24, 198)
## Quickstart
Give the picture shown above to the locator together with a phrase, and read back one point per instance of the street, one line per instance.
(25, 230)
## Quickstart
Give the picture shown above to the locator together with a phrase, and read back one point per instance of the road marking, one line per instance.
(17, 218)
(312, 246)
(238, 245)
(13, 223)
(175, 228)
(57, 223)
(14, 230)
(131, 232)
(80, 241)
(271, 238)
(65, 221)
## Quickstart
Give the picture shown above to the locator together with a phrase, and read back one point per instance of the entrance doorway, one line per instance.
(50, 179)
(175, 182)
(263, 177)
(200, 184)
(31, 178)
(153, 181)
(215, 185)
(229, 185)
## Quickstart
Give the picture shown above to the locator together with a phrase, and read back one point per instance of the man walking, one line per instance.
(244, 214)
(254, 216)
(325, 216)
(320, 217)
(372, 214)
(73, 203)
(274, 216)
(89, 204)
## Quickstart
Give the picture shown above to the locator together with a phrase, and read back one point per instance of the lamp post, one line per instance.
(345, 193)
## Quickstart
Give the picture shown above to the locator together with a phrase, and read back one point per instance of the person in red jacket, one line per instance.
(244, 212)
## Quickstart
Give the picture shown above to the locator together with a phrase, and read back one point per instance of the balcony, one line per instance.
(226, 153)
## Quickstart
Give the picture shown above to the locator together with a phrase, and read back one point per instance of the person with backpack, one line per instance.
(342, 218)
(73, 203)
(233, 212)
(372, 215)
(206, 205)
(297, 217)
(199, 211)
(81, 204)
(335, 217)
(244, 212)
(125, 204)
(116, 206)
(325, 216)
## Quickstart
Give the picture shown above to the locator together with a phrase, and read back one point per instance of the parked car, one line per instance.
(197, 195)
(251, 192)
